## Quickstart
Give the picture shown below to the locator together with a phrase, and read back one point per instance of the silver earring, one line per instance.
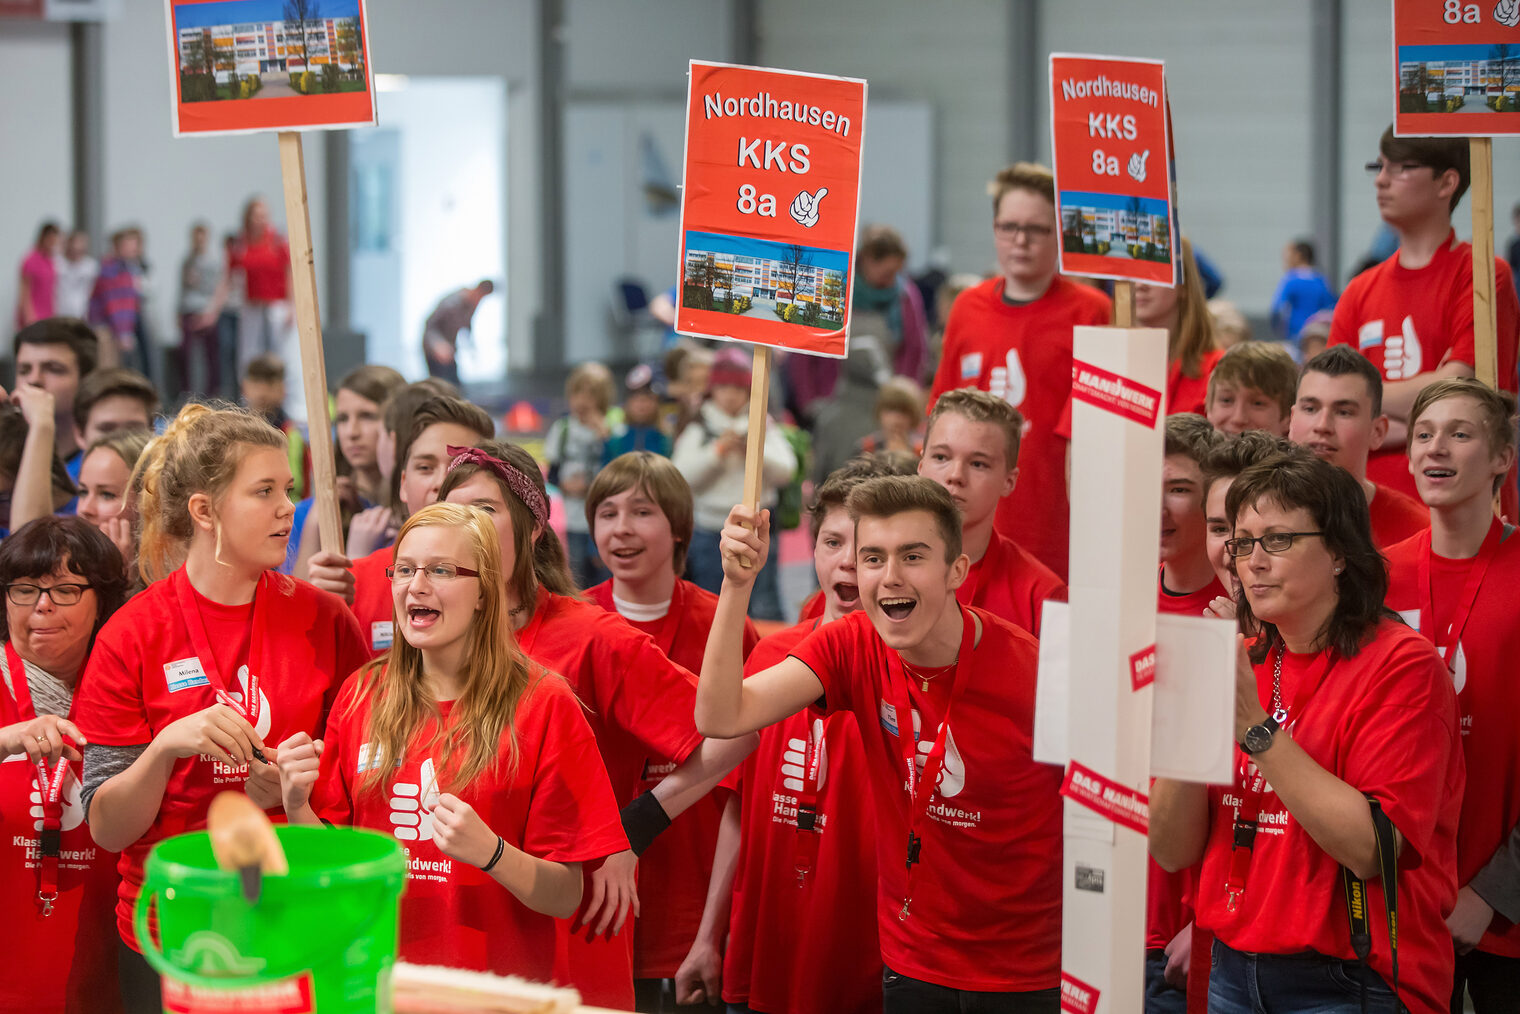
(1337, 570)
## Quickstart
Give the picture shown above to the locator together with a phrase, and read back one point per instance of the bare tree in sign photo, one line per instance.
(299, 14)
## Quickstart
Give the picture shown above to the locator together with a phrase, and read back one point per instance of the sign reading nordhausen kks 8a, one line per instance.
(769, 206)
(1111, 139)
(1456, 68)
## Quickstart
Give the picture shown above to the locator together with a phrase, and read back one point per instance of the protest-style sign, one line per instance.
(1111, 153)
(769, 206)
(1456, 68)
(242, 66)
(280, 66)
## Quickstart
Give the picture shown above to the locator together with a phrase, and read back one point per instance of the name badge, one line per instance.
(381, 633)
(184, 674)
(888, 715)
(971, 366)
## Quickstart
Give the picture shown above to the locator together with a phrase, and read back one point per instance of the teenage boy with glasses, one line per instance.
(1412, 315)
(1011, 335)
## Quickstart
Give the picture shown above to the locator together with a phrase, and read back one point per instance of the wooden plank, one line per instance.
(754, 450)
(303, 270)
(1485, 344)
(1124, 304)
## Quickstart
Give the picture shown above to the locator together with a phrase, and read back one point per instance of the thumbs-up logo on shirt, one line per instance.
(412, 805)
(73, 812)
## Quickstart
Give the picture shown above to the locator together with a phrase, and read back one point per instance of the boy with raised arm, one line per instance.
(968, 826)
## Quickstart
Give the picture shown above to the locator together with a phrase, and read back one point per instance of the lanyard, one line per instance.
(196, 627)
(1475, 575)
(1253, 783)
(49, 789)
(921, 789)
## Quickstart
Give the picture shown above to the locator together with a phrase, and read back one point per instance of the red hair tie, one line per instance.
(516, 479)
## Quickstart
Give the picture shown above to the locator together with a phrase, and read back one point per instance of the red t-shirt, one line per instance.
(640, 704)
(1409, 322)
(807, 947)
(675, 869)
(67, 961)
(556, 805)
(986, 900)
(1384, 722)
(373, 603)
(1009, 582)
(1189, 604)
(1488, 644)
(1395, 516)
(1190, 394)
(1023, 354)
(265, 263)
(146, 672)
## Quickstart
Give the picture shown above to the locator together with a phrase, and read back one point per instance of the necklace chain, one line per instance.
(925, 680)
(1277, 683)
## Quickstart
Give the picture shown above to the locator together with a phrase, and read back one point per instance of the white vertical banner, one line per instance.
(1118, 380)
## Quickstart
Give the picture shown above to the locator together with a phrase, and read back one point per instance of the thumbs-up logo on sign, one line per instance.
(1507, 13)
(1137, 165)
(805, 207)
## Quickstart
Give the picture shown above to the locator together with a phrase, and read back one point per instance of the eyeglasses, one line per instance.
(1395, 169)
(1272, 542)
(1012, 230)
(60, 594)
(402, 573)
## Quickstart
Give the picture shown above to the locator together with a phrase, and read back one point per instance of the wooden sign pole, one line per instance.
(759, 402)
(309, 325)
(1124, 304)
(1485, 344)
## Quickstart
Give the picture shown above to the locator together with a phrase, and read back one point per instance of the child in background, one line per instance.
(1252, 388)
(1230, 325)
(573, 447)
(687, 367)
(899, 419)
(641, 428)
(710, 453)
(263, 389)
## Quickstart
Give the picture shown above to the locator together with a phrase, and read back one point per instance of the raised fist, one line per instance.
(805, 206)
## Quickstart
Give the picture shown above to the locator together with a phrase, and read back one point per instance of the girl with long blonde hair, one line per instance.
(640, 704)
(479, 761)
(219, 657)
(1191, 348)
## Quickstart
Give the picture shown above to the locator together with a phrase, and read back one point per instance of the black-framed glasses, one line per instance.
(1272, 542)
(402, 573)
(1012, 230)
(1395, 169)
(60, 594)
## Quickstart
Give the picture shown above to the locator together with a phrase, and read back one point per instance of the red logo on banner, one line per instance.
(1117, 394)
(1456, 68)
(1111, 148)
(287, 996)
(1077, 997)
(769, 206)
(1118, 803)
(1142, 667)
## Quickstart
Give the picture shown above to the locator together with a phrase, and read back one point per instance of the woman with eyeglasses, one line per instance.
(196, 678)
(1191, 348)
(478, 760)
(640, 704)
(62, 580)
(1349, 769)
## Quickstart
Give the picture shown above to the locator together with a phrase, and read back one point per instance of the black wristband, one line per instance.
(643, 820)
(501, 846)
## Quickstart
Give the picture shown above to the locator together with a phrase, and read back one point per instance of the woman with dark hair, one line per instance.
(39, 277)
(641, 705)
(1349, 770)
(62, 579)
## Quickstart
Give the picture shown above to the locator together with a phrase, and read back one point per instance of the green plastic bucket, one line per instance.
(321, 939)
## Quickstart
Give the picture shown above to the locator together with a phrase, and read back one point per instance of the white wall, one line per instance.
(953, 56)
(35, 97)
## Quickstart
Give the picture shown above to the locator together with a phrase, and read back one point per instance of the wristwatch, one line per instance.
(1259, 737)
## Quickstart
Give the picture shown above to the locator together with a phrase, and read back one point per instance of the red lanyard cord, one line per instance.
(1469, 594)
(49, 789)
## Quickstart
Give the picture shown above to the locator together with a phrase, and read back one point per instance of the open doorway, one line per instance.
(427, 216)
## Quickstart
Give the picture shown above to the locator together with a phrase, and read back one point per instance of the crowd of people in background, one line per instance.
(498, 662)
